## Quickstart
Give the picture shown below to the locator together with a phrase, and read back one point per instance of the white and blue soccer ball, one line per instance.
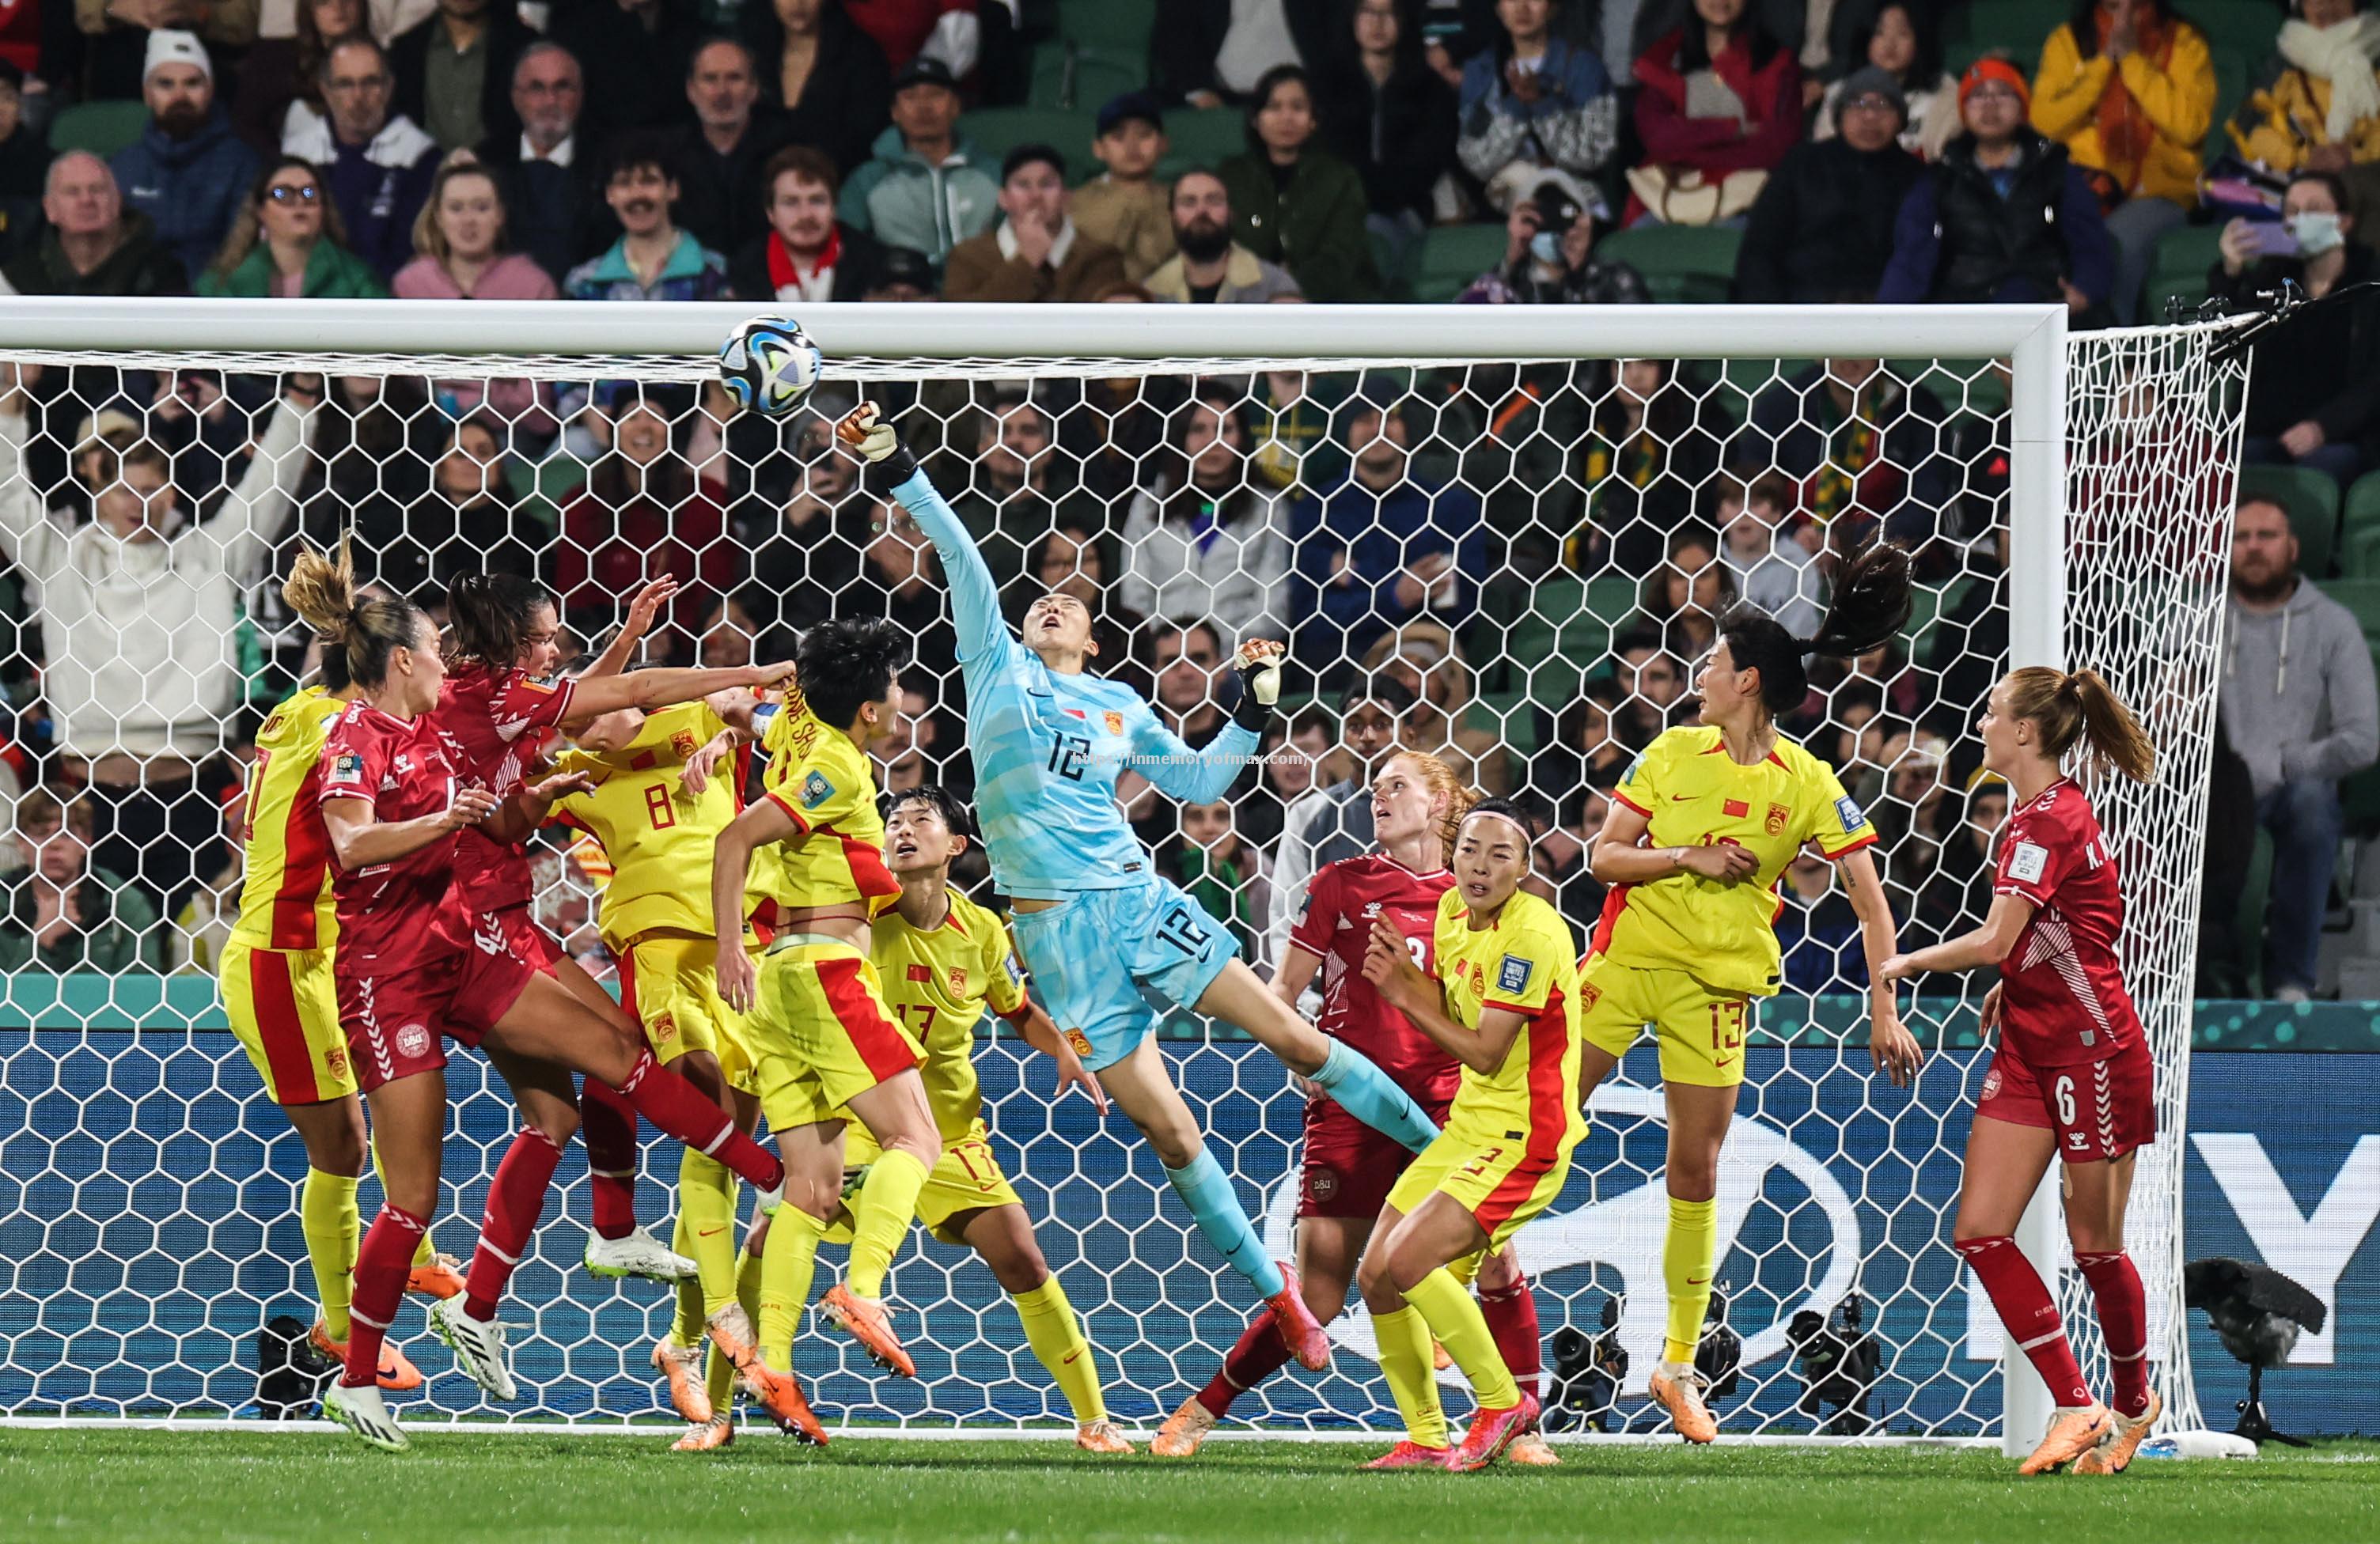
(769, 366)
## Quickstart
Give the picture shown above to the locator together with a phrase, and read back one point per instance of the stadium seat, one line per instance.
(998, 130)
(100, 127)
(2362, 598)
(1451, 256)
(1117, 28)
(1200, 136)
(2187, 251)
(2017, 26)
(2359, 539)
(1691, 264)
(1077, 77)
(2311, 499)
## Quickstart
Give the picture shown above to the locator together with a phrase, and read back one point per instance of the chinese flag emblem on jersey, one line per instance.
(1778, 815)
(1736, 809)
(921, 972)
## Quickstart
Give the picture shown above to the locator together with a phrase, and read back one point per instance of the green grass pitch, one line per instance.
(464, 1488)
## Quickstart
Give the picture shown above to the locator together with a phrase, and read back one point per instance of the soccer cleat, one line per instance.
(715, 1433)
(1532, 1451)
(479, 1348)
(443, 1277)
(396, 1373)
(2071, 1434)
(2114, 1454)
(1300, 1331)
(1681, 1395)
(1409, 1454)
(1100, 1436)
(363, 1411)
(1184, 1430)
(781, 1394)
(1491, 1432)
(865, 1322)
(636, 1253)
(681, 1366)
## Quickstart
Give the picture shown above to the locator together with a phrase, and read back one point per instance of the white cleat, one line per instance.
(636, 1253)
(365, 1412)
(479, 1348)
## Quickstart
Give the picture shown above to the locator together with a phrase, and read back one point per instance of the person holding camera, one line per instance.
(1549, 254)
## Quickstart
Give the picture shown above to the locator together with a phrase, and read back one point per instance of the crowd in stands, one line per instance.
(801, 151)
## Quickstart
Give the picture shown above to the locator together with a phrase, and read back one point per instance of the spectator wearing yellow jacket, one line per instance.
(2317, 106)
(2128, 89)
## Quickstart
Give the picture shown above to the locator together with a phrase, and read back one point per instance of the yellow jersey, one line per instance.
(939, 983)
(823, 781)
(285, 898)
(656, 836)
(1526, 962)
(1695, 794)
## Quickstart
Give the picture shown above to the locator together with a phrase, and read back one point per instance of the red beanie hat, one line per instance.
(1995, 69)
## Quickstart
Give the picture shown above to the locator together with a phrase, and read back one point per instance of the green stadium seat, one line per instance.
(2311, 499)
(2187, 251)
(997, 130)
(1116, 28)
(2019, 27)
(1200, 136)
(2358, 800)
(100, 127)
(1691, 264)
(2362, 598)
(2359, 540)
(1451, 256)
(1079, 77)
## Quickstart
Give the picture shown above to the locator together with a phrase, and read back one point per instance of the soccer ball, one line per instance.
(771, 366)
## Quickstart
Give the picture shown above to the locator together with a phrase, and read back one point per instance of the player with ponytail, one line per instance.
(2073, 1079)
(1700, 830)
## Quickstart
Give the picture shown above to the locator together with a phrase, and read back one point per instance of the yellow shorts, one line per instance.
(284, 1006)
(669, 983)
(1490, 1176)
(968, 1180)
(1700, 1031)
(821, 1036)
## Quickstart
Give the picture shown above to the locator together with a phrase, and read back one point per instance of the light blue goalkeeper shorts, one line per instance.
(1109, 963)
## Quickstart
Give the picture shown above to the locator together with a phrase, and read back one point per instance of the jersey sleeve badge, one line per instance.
(1015, 971)
(1513, 973)
(2028, 862)
(348, 769)
(816, 791)
(1848, 812)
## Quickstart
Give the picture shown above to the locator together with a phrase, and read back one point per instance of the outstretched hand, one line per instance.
(1389, 966)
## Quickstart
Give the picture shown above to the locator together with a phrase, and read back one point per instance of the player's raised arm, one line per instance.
(1896, 1050)
(1205, 775)
(731, 864)
(893, 472)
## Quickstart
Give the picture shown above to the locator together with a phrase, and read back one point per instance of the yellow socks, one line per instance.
(1454, 1318)
(706, 1213)
(686, 1328)
(719, 1373)
(425, 1252)
(787, 1262)
(1686, 1262)
(1405, 1359)
(881, 1212)
(1056, 1336)
(326, 1214)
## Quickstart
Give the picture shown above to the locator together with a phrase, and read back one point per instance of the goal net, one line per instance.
(1525, 520)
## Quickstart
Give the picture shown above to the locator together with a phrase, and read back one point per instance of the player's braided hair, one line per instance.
(361, 632)
(1440, 780)
(1870, 603)
(846, 662)
(2077, 707)
(491, 615)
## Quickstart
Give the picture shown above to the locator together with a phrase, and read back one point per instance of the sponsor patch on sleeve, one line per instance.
(1512, 974)
(348, 769)
(816, 791)
(1847, 811)
(2028, 862)
(1305, 902)
(538, 682)
(1015, 971)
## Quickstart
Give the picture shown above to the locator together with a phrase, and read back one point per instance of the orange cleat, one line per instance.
(1684, 1399)
(1184, 1430)
(396, 1373)
(1532, 1451)
(1101, 1437)
(1491, 1432)
(2114, 1454)
(1409, 1454)
(681, 1366)
(715, 1433)
(1300, 1331)
(2071, 1434)
(867, 1322)
(442, 1278)
(781, 1394)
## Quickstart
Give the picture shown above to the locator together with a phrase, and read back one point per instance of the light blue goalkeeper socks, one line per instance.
(1368, 1094)
(1205, 1190)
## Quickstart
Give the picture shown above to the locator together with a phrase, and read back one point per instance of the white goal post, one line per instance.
(2118, 458)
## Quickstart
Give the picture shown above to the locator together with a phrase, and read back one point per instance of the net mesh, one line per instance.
(1537, 549)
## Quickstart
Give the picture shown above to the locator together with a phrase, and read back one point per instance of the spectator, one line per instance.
(1015, 495)
(900, 579)
(721, 196)
(2316, 105)
(65, 914)
(1549, 254)
(1651, 683)
(949, 32)
(469, 522)
(1296, 203)
(804, 534)
(926, 187)
(1860, 445)
(1534, 101)
(904, 275)
(1213, 52)
(140, 611)
(1205, 543)
(1335, 821)
(1577, 749)
(1291, 755)
(2003, 216)
(1648, 454)
(634, 54)
(288, 242)
(1187, 660)
(1817, 932)
(1769, 562)
(1686, 595)
(282, 77)
(2314, 393)
(1426, 657)
(1384, 545)
(193, 944)
(2129, 89)
(1390, 117)
(1226, 875)
(379, 165)
(1207, 266)
(829, 77)
(554, 203)
(1900, 42)
(1038, 252)
(460, 236)
(24, 158)
(454, 71)
(1823, 225)
(92, 244)
(654, 259)
(805, 254)
(729, 635)
(1719, 104)
(2299, 707)
(26, 34)
(1075, 559)
(1125, 207)
(116, 52)
(1958, 895)
(642, 516)
(186, 172)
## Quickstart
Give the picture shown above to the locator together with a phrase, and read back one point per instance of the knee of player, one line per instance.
(1018, 1266)
(558, 1124)
(1375, 1280)
(1694, 1177)
(2092, 1236)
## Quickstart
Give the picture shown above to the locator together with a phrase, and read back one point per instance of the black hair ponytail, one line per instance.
(1871, 604)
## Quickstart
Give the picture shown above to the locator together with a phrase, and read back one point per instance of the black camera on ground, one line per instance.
(1588, 1370)
(1840, 1363)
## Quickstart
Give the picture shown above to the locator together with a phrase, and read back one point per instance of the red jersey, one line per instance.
(405, 911)
(2063, 996)
(492, 722)
(1334, 921)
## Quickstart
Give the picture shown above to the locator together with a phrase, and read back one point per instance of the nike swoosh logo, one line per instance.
(1069, 1360)
(707, 1232)
(1697, 1281)
(1680, 798)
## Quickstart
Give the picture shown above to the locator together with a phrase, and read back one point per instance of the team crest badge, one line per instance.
(1588, 995)
(1778, 815)
(1114, 722)
(1321, 1182)
(336, 1060)
(413, 1040)
(958, 980)
(666, 1028)
(1080, 1041)
(816, 791)
(683, 745)
(1991, 1086)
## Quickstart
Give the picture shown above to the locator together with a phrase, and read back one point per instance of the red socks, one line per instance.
(2124, 1318)
(1255, 1357)
(607, 1124)
(516, 1199)
(2024, 1306)
(1512, 1315)
(678, 1107)
(382, 1263)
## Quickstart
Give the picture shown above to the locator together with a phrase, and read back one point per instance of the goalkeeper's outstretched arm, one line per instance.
(893, 472)
(1205, 775)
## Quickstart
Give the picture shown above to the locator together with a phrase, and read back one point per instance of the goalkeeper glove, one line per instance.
(1259, 663)
(888, 463)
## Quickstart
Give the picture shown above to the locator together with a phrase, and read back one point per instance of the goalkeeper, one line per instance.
(1103, 936)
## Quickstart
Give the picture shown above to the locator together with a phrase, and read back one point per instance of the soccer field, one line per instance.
(464, 1488)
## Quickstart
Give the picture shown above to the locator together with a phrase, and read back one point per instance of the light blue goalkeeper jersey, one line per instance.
(1048, 747)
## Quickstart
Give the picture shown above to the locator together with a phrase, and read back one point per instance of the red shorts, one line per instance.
(2100, 1110)
(1350, 1169)
(530, 944)
(397, 1022)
